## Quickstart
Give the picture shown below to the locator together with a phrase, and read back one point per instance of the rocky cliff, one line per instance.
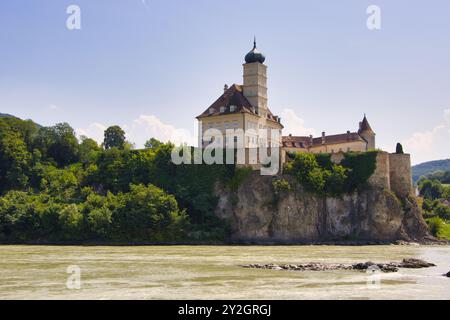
(258, 213)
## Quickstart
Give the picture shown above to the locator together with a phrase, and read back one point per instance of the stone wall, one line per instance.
(400, 174)
(381, 177)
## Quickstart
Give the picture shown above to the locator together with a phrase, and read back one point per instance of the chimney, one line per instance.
(279, 119)
(225, 88)
(323, 137)
(311, 140)
(290, 134)
(348, 135)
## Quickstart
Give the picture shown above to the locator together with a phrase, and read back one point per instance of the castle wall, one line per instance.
(381, 177)
(400, 174)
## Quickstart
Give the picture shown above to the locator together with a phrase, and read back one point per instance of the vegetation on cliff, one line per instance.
(318, 174)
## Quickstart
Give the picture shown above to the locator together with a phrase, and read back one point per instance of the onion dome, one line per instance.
(254, 55)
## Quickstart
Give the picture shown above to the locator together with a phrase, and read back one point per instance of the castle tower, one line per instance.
(366, 132)
(255, 80)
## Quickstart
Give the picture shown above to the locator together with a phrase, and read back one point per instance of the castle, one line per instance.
(245, 107)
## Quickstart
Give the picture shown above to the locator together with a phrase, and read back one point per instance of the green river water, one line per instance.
(214, 272)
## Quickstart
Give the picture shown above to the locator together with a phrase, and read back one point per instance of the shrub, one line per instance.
(318, 174)
(281, 185)
(435, 225)
(71, 221)
(99, 221)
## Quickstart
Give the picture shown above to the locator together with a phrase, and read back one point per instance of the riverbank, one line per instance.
(437, 242)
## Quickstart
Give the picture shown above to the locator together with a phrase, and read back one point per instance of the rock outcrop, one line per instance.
(259, 214)
(362, 266)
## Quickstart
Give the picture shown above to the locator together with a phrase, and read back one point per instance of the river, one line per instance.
(214, 272)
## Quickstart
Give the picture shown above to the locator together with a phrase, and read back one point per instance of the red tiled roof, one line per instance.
(304, 142)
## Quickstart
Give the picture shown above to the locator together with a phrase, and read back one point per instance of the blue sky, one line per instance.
(152, 66)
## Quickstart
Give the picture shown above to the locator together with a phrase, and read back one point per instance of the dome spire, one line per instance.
(254, 42)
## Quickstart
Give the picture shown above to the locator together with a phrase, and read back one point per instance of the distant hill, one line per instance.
(5, 115)
(429, 167)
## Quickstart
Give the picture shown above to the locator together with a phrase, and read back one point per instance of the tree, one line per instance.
(431, 189)
(114, 137)
(152, 143)
(88, 150)
(58, 142)
(99, 221)
(71, 221)
(399, 148)
(14, 160)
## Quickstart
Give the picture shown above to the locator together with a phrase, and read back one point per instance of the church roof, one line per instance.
(304, 141)
(233, 96)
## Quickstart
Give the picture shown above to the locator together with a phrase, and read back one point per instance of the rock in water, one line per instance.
(362, 266)
(447, 275)
(415, 263)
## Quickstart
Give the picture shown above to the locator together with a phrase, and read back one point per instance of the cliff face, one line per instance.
(257, 213)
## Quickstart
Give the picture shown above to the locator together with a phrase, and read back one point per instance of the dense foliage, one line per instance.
(318, 174)
(436, 205)
(57, 188)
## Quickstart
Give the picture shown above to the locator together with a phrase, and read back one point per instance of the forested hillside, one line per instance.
(429, 167)
(57, 188)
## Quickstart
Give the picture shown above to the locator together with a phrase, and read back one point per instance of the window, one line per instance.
(222, 109)
(211, 110)
(232, 108)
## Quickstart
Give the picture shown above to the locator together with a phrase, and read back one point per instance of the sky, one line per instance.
(151, 66)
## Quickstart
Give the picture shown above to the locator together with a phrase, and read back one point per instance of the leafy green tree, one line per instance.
(71, 221)
(152, 143)
(89, 150)
(114, 137)
(431, 189)
(99, 221)
(58, 142)
(14, 160)
(147, 211)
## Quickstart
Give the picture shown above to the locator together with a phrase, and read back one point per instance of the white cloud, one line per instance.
(430, 145)
(294, 125)
(94, 131)
(53, 107)
(140, 130)
(447, 116)
(150, 126)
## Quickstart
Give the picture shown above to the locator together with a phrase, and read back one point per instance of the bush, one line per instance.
(435, 225)
(281, 185)
(99, 221)
(71, 221)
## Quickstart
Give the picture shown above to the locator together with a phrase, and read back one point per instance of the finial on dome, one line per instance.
(254, 42)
